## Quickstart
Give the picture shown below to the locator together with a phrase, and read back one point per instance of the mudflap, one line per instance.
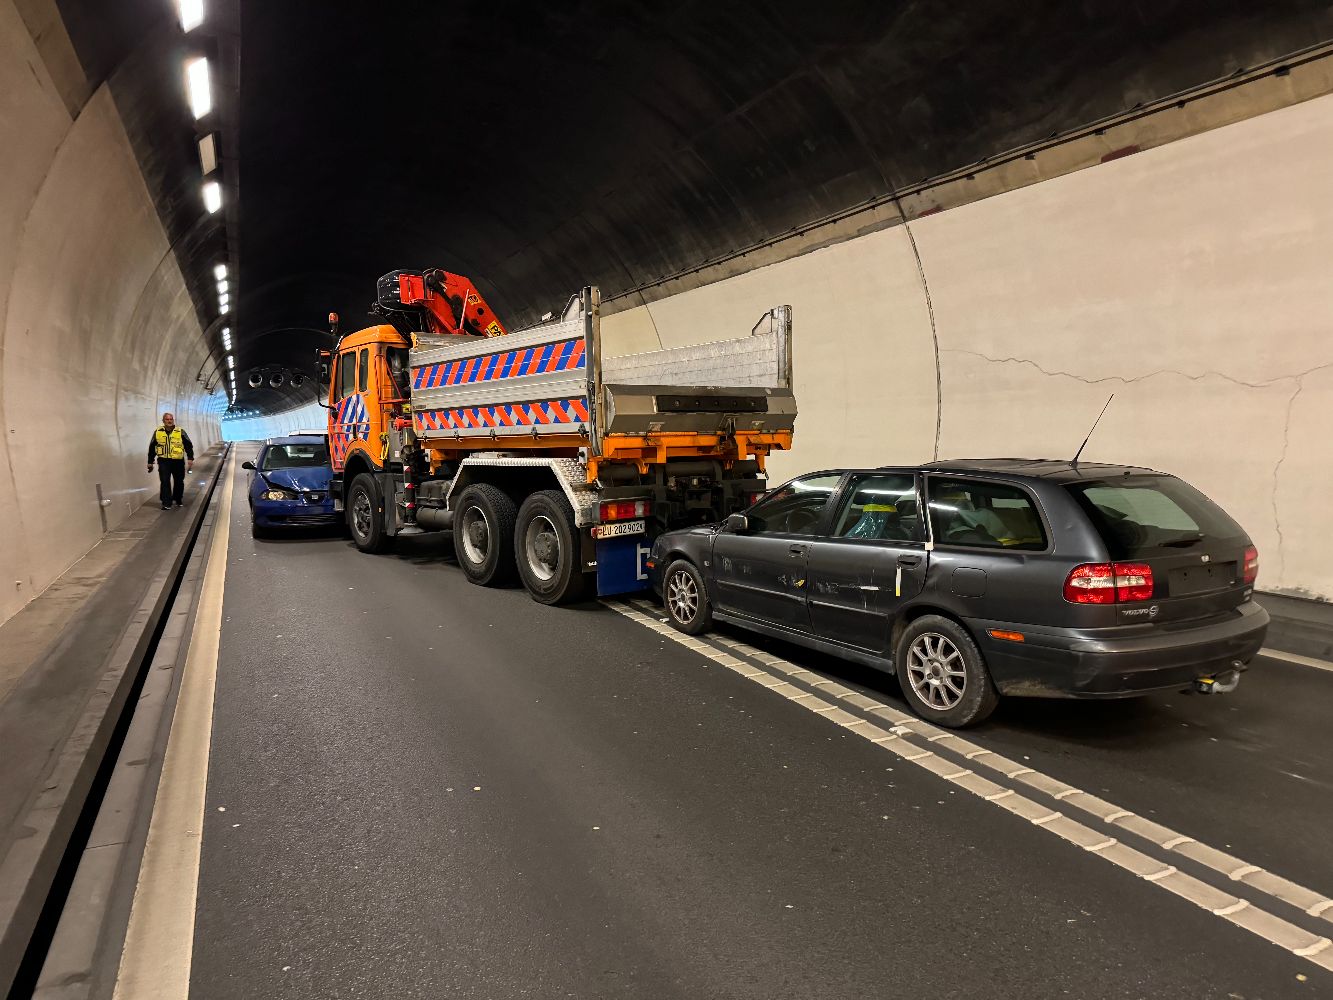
(622, 565)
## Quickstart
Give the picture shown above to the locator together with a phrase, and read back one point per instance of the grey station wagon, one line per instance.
(1021, 577)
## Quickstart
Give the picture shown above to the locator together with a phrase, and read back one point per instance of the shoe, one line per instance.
(179, 504)
(166, 506)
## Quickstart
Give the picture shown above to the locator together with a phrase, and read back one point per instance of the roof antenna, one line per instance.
(1074, 463)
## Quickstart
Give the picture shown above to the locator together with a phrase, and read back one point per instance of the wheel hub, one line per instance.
(476, 533)
(547, 548)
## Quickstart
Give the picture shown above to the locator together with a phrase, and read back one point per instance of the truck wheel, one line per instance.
(685, 598)
(942, 673)
(546, 547)
(365, 520)
(484, 535)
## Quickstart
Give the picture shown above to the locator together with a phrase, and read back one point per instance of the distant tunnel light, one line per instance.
(231, 362)
(220, 271)
(191, 12)
(196, 76)
(212, 196)
(208, 154)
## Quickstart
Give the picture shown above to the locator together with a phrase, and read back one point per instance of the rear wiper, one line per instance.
(1182, 543)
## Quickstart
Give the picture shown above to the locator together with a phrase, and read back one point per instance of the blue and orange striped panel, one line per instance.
(541, 413)
(564, 355)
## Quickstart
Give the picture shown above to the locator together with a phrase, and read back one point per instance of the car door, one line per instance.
(759, 572)
(871, 560)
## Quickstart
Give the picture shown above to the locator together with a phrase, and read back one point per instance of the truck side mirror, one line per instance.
(735, 524)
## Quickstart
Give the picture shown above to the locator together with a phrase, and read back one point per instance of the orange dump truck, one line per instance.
(545, 459)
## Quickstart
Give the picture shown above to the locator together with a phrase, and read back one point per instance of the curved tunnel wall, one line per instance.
(98, 335)
(1190, 279)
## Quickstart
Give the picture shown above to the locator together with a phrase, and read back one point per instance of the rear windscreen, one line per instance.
(1143, 516)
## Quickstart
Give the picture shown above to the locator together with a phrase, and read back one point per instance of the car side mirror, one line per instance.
(735, 524)
(248, 465)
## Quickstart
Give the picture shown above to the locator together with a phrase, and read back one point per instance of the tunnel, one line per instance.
(634, 282)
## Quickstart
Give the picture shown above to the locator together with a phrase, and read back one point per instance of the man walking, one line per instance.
(171, 448)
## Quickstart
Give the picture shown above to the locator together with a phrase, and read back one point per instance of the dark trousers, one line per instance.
(171, 473)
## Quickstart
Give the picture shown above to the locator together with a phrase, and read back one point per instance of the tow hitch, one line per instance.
(1222, 683)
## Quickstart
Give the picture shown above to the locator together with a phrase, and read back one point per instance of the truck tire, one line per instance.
(484, 535)
(943, 674)
(547, 550)
(365, 518)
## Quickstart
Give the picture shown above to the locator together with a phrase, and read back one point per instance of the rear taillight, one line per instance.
(1251, 564)
(1109, 583)
(625, 510)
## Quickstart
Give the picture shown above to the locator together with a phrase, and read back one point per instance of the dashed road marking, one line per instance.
(1291, 937)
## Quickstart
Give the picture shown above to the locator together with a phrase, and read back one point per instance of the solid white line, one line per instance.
(155, 964)
(1305, 661)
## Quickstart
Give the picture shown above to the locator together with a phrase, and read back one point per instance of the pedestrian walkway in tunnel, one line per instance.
(384, 781)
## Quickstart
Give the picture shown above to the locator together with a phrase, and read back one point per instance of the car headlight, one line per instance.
(278, 495)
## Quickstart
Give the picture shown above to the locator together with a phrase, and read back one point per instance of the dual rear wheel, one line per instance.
(539, 541)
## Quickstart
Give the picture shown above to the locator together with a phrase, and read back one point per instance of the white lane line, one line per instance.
(155, 964)
(1305, 661)
(1285, 890)
(1292, 938)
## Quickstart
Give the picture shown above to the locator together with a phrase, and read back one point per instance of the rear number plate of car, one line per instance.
(617, 529)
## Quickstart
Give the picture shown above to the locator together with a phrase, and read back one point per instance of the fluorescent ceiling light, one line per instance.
(224, 308)
(196, 78)
(208, 154)
(224, 299)
(212, 196)
(231, 362)
(223, 286)
(220, 271)
(191, 12)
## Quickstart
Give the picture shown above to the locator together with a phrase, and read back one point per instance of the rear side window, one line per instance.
(1143, 516)
(880, 507)
(985, 514)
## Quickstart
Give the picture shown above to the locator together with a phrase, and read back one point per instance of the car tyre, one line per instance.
(365, 520)
(943, 674)
(256, 531)
(547, 549)
(484, 535)
(686, 599)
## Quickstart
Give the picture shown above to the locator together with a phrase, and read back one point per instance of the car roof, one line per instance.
(297, 439)
(1050, 469)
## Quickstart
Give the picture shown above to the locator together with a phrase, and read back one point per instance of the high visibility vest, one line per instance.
(170, 445)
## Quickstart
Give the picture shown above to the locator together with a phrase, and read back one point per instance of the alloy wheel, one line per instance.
(936, 670)
(682, 597)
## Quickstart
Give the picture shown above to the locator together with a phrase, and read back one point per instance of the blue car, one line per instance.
(289, 484)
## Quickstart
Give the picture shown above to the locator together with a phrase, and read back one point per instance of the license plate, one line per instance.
(617, 529)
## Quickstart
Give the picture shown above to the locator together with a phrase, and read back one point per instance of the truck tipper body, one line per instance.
(545, 459)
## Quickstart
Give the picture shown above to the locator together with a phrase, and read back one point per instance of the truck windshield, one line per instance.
(1143, 516)
(295, 456)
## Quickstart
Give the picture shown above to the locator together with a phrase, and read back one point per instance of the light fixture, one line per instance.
(220, 272)
(212, 196)
(276, 379)
(256, 379)
(224, 308)
(223, 286)
(224, 299)
(196, 78)
(208, 154)
(191, 12)
(231, 362)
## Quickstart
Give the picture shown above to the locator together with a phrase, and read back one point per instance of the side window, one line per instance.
(880, 507)
(986, 514)
(793, 509)
(346, 374)
(365, 369)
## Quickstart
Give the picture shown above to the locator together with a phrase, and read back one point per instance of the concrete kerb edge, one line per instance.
(30, 864)
(84, 955)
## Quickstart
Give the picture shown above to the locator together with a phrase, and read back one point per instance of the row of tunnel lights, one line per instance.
(198, 87)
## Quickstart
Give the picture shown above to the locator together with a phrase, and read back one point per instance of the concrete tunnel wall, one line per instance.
(98, 335)
(1192, 280)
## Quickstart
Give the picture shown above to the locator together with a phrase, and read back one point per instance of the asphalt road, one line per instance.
(421, 788)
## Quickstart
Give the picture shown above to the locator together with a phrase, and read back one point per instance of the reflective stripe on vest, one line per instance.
(170, 445)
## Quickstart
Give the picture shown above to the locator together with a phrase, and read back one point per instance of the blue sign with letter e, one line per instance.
(622, 565)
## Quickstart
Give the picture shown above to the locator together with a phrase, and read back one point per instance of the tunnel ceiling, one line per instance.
(540, 149)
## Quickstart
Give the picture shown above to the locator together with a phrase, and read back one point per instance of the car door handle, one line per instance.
(796, 550)
(909, 560)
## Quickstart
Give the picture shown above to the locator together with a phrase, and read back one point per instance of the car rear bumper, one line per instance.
(1074, 663)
